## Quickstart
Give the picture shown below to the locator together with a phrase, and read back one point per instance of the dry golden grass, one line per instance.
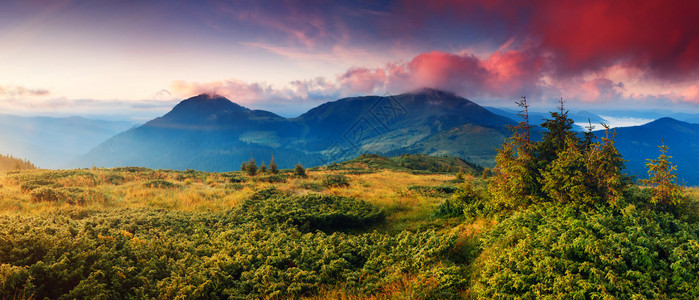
(214, 191)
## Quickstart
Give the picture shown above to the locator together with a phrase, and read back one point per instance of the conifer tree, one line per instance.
(251, 166)
(588, 136)
(273, 166)
(605, 165)
(244, 167)
(263, 168)
(565, 178)
(558, 130)
(515, 178)
(662, 180)
(299, 170)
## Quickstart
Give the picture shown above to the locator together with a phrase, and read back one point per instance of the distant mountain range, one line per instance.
(638, 143)
(51, 142)
(214, 134)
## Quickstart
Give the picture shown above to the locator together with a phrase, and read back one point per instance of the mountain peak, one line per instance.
(202, 107)
(665, 121)
(434, 93)
(207, 104)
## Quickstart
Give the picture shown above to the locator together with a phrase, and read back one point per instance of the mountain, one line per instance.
(204, 132)
(53, 142)
(214, 134)
(638, 143)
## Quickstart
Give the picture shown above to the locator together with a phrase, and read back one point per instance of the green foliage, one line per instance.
(662, 180)
(267, 247)
(263, 168)
(273, 166)
(515, 182)
(251, 167)
(560, 251)
(299, 170)
(335, 181)
(566, 179)
(470, 200)
(312, 212)
(559, 168)
(415, 163)
(272, 178)
(161, 184)
(433, 191)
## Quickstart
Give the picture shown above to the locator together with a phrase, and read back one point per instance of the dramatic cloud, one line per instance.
(658, 36)
(539, 48)
(287, 56)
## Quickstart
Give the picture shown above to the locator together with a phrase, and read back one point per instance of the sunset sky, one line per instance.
(138, 58)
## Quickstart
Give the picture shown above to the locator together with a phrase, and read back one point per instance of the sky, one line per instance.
(139, 58)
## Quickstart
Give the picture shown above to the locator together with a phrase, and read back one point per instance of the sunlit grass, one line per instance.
(213, 192)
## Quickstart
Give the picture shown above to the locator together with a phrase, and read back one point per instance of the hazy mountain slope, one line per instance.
(203, 132)
(638, 143)
(214, 134)
(52, 142)
(474, 143)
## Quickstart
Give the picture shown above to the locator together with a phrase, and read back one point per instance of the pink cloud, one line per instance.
(362, 80)
(691, 94)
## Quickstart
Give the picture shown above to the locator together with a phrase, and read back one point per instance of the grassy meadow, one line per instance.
(352, 232)
(370, 228)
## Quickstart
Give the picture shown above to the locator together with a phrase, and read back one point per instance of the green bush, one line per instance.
(271, 178)
(335, 181)
(299, 170)
(561, 251)
(262, 249)
(160, 184)
(433, 191)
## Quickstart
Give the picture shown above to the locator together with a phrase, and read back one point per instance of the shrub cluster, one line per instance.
(265, 248)
(559, 250)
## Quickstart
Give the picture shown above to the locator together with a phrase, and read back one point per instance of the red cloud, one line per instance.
(659, 36)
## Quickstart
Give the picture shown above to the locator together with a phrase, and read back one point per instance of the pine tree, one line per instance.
(558, 130)
(515, 177)
(662, 180)
(273, 166)
(251, 166)
(588, 136)
(565, 179)
(605, 165)
(299, 170)
(263, 168)
(244, 167)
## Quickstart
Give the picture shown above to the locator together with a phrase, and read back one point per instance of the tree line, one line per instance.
(568, 168)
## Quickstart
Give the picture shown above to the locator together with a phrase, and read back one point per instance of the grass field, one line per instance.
(363, 230)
